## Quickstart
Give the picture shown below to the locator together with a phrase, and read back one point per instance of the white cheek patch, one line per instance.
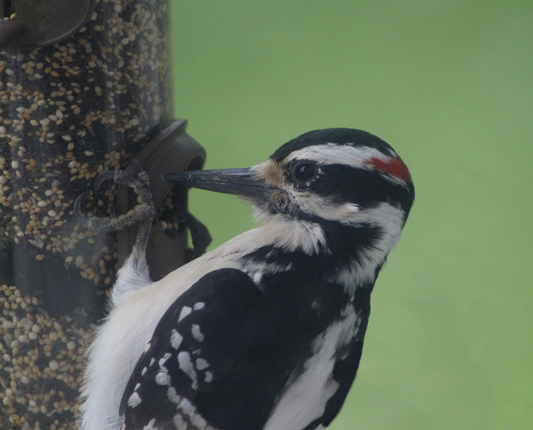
(290, 234)
(325, 208)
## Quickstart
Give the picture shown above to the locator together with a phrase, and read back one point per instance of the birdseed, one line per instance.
(42, 358)
(68, 112)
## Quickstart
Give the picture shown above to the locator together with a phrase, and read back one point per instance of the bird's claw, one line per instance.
(101, 178)
(144, 211)
(82, 219)
(201, 238)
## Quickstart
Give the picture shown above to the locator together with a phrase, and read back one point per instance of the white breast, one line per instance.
(129, 327)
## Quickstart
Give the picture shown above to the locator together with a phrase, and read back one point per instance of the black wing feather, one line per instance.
(244, 382)
(250, 340)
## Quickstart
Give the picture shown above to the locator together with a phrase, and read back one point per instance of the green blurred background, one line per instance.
(449, 84)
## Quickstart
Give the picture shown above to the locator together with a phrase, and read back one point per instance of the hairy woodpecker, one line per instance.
(266, 331)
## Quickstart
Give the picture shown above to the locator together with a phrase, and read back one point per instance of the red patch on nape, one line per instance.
(393, 167)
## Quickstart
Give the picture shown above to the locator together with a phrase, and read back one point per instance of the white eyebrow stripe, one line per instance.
(331, 153)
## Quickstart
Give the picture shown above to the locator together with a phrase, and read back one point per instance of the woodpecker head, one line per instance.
(324, 175)
(338, 192)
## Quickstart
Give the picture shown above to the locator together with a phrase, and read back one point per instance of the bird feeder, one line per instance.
(85, 86)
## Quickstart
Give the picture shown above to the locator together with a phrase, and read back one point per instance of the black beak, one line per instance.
(241, 182)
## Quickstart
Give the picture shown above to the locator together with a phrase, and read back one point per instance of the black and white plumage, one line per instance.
(266, 331)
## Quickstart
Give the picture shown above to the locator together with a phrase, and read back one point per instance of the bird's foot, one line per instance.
(200, 236)
(144, 212)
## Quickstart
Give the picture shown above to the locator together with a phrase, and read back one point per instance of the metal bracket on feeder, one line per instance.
(36, 23)
(172, 150)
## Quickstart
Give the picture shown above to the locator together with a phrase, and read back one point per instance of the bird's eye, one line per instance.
(304, 171)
